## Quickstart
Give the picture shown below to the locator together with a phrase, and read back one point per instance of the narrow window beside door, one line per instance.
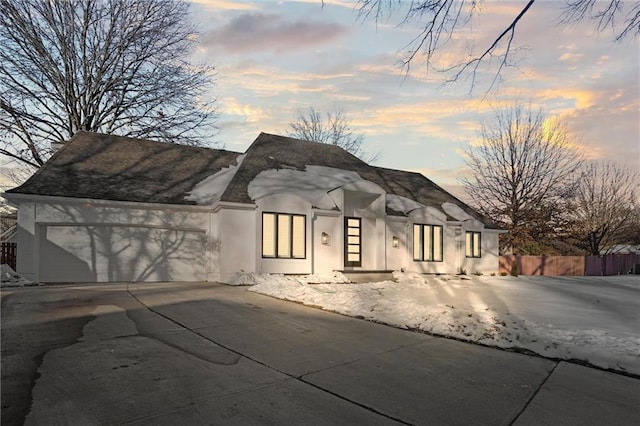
(284, 236)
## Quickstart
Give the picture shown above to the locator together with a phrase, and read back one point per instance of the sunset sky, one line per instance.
(273, 58)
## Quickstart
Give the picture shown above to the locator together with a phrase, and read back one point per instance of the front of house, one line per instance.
(107, 209)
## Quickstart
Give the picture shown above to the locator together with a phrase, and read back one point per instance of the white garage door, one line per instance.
(120, 253)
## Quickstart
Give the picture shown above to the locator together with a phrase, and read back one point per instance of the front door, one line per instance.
(352, 241)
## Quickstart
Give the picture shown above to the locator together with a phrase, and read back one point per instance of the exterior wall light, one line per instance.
(394, 242)
(324, 239)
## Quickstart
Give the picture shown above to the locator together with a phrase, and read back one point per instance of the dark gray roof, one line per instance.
(276, 152)
(111, 167)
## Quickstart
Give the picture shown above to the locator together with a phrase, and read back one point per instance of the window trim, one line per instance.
(277, 240)
(431, 228)
(472, 255)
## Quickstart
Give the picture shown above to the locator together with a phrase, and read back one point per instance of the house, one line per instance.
(108, 208)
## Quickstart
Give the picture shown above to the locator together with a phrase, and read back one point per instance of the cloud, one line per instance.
(225, 5)
(255, 32)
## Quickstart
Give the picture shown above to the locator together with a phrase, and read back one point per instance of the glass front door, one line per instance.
(352, 241)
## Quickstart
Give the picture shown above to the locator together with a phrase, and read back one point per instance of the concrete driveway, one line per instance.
(183, 353)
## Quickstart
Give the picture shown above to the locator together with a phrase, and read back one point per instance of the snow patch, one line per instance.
(246, 278)
(211, 188)
(334, 277)
(455, 212)
(311, 185)
(402, 204)
(11, 278)
(409, 277)
(494, 311)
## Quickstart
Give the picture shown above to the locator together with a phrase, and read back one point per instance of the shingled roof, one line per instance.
(109, 167)
(118, 168)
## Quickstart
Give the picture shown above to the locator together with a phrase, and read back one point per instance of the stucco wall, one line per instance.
(26, 249)
(327, 258)
(237, 242)
(397, 257)
(219, 244)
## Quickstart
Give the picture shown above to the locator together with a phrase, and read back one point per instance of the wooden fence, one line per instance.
(8, 255)
(612, 264)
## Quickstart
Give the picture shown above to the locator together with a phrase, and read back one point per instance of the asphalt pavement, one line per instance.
(201, 353)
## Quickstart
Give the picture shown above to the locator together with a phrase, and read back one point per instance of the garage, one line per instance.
(119, 253)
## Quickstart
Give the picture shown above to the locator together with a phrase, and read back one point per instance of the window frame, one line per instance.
(352, 263)
(473, 255)
(290, 242)
(431, 228)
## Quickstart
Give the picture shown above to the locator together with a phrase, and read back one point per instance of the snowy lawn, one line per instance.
(592, 319)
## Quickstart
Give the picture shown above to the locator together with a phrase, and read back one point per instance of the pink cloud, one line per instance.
(251, 32)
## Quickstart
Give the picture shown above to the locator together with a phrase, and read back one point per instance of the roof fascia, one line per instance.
(219, 205)
(16, 197)
(323, 212)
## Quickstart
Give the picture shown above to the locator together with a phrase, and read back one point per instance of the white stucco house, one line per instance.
(106, 208)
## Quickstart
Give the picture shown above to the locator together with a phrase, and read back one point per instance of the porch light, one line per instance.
(394, 242)
(324, 239)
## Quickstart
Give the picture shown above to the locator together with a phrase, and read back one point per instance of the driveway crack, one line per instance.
(531, 398)
(243, 355)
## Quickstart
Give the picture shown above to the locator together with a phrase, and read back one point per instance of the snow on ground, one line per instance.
(592, 319)
(244, 278)
(10, 278)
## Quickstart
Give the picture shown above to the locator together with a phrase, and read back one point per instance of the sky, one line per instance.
(275, 58)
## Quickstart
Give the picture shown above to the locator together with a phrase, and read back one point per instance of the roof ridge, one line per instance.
(332, 145)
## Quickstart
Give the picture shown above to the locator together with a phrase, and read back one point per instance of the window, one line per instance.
(427, 243)
(472, 244)
(284, 235)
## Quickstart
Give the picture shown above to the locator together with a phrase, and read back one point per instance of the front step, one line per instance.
(368, 276)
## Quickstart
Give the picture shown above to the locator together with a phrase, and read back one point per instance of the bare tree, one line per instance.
(334, 129)
(441, 20)
(520, 174)
(111, 66)
(606, 210)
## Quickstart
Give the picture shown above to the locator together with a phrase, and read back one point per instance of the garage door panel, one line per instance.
(117, 253)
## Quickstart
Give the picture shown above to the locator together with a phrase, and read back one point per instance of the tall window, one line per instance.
(284, 235)
(472, 244)
(427, 243)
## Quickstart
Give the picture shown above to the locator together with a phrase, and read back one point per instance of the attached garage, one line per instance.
(116, 253)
